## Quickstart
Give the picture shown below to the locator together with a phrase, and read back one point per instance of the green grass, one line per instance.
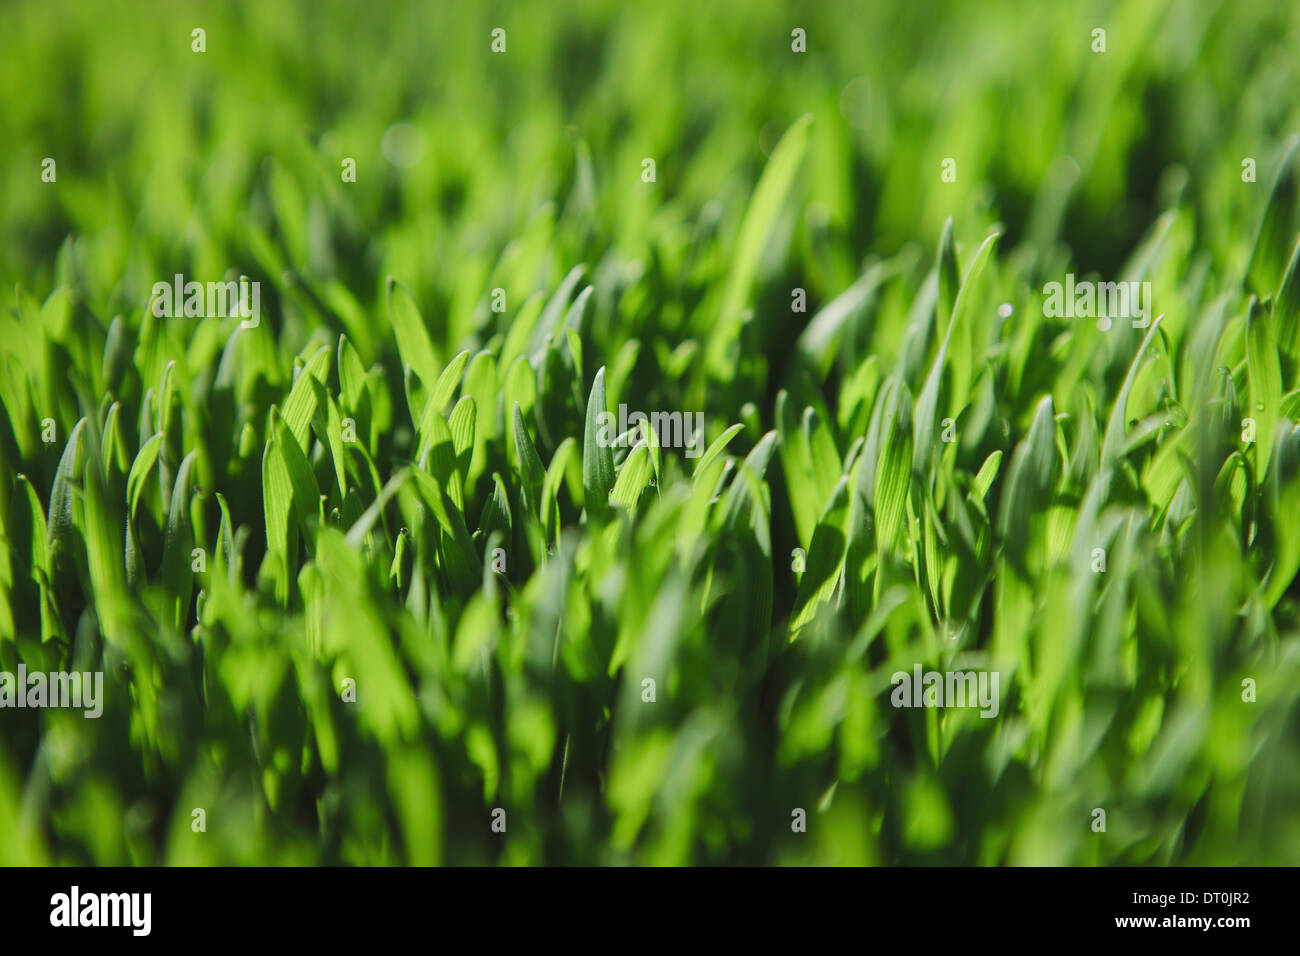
(363, 574)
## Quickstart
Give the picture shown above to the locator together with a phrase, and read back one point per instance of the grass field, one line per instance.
(376, 572)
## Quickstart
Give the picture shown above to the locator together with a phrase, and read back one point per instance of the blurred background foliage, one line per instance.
(523, 690)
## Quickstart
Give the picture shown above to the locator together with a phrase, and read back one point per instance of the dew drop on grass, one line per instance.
(1005, 310)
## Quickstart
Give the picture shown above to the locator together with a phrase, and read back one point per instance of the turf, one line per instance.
(368, 583)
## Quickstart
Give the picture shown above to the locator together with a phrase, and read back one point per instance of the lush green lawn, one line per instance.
(362, 570)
